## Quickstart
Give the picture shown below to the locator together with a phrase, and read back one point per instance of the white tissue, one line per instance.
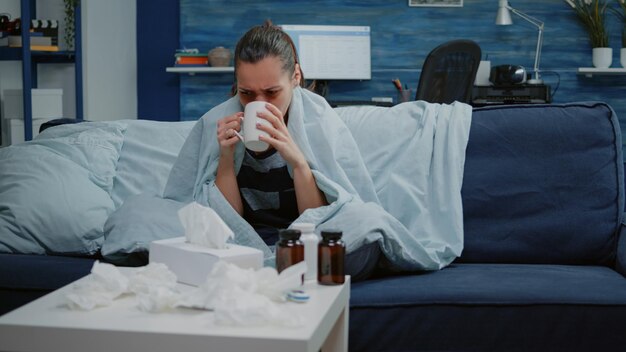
(203, 226)
(247, 297)
(99, 289)
(158, 299)
(243, 308)
(150, 276)
(240, 297)
(274, 285)
(154, 286)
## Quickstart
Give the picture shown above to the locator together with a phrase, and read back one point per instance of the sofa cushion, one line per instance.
(543, 184)
(54, 191)
(93, 145)
(24, 277)
(147, 218)
(41, 272)
(486, 307)
(149, 151)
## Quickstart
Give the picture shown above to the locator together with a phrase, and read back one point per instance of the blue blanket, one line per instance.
(357, 204)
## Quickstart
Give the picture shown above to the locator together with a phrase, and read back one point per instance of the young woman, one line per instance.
(313, 170)
(263, 192)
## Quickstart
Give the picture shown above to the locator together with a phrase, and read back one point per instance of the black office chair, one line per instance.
(448, 73)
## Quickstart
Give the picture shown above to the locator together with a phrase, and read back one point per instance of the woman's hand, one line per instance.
(227, 129)
(307, 194)
(226, 180)
(279, 137)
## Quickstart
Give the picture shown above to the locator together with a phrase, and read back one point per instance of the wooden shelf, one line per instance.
(195, 69)
(590, 71)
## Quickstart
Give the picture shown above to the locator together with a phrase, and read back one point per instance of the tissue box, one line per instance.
(192, 263)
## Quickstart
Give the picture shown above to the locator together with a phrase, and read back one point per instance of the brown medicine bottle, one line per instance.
(289, 249)
(330, 258)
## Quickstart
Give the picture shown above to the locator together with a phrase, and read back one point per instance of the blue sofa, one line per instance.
(544, 261)
(544, 256)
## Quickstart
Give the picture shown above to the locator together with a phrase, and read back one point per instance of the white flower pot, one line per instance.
(602, 57)
(622, 57)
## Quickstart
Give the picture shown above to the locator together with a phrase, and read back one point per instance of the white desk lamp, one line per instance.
(504, 19)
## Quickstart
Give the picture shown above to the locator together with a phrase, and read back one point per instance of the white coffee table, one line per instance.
(47, 325)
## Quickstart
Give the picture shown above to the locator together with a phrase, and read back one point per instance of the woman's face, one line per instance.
(266, 81)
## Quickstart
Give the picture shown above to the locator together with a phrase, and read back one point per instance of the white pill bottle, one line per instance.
(310, 240)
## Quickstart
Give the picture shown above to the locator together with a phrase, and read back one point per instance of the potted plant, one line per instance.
(69, 9)
(591, 14)
(621, 13)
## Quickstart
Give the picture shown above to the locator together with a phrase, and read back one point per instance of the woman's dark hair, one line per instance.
(265, 41)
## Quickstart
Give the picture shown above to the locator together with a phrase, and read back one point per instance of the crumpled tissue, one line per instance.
(240, 297)
(99, 289)
(247, 297)
(155, 287)
(153, 284)
(203, 226)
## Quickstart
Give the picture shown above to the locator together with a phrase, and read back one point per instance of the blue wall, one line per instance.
(158, 92)
(402, 36)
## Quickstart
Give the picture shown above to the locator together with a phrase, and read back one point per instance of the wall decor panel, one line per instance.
(401, 38)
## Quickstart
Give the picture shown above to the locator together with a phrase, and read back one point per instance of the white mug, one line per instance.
(250, 134)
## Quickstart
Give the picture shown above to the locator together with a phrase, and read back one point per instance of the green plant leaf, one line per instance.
(591, 14)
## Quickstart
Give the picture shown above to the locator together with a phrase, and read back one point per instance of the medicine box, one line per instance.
(46, 103)
(192, 263)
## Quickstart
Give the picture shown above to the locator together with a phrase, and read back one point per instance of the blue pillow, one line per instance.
(54, 191)
(149, 151)
(93, 145)
(139, 221)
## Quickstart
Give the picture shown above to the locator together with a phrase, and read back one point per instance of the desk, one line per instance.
(512, 94)
(47, 325)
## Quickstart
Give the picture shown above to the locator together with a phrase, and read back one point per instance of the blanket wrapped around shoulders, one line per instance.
(416, 219)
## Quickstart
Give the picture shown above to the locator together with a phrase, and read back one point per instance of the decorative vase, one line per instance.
(622, 57)
(219, 57)
(602, 57)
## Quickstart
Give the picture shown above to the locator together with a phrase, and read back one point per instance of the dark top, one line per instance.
(268, 195)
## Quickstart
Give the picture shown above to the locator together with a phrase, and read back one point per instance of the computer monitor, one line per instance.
(332, 52)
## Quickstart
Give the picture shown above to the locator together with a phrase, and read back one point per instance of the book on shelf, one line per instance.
(190, 65)
(16, 40)
(192, 60)
(44, 48)
(33, 47)
(189, 52)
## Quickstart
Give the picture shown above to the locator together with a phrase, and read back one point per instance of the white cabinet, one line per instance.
(47, 104)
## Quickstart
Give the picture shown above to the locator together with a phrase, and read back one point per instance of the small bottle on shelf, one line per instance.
(289, 249)
(310, 240)
(331, 257)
